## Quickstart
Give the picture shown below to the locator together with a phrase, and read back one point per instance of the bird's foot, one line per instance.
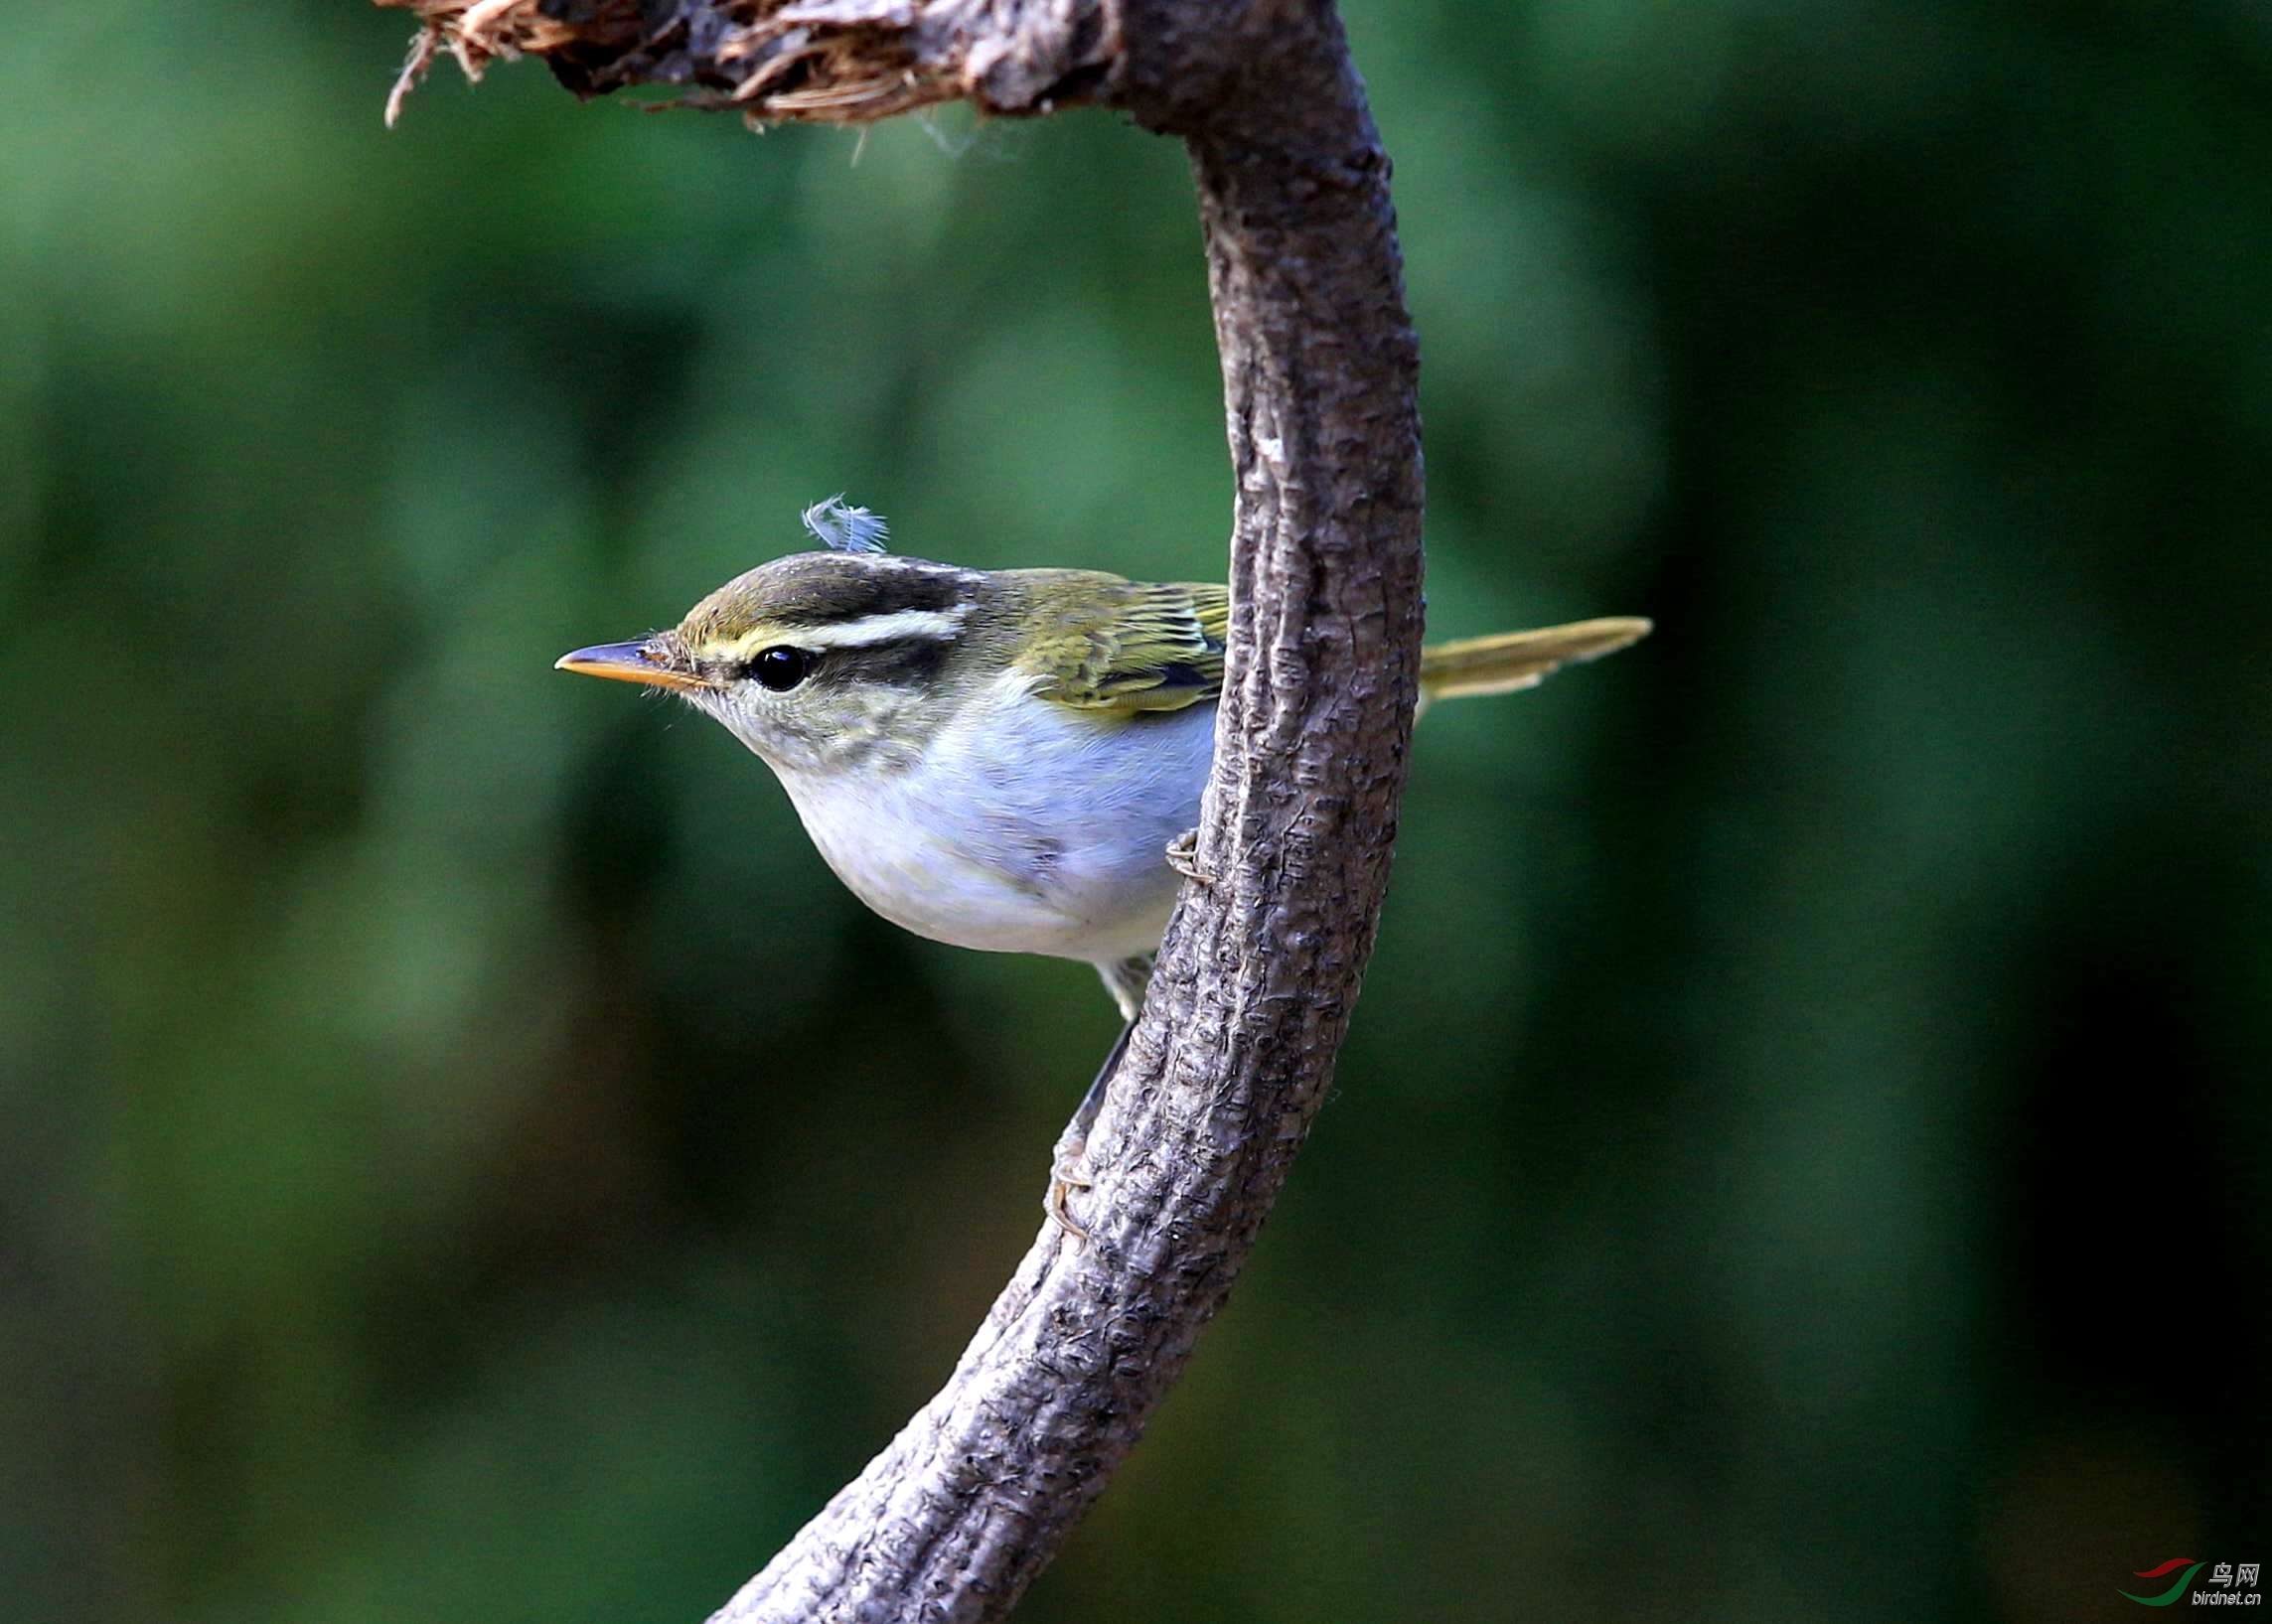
(1065, 1176)
(1183, 857)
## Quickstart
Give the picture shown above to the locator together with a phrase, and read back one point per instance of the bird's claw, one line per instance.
(1065, 1176)
(1183, 857)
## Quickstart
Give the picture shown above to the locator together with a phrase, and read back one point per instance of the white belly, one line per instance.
(1030, 828)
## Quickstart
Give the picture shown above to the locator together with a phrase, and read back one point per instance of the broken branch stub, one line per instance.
(782, 61)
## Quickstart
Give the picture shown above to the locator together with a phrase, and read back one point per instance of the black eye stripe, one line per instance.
(911, 663)
(901, 662)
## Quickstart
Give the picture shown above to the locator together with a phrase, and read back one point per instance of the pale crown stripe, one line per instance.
(900, 626)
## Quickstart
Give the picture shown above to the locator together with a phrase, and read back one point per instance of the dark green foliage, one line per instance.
(1802, 1152)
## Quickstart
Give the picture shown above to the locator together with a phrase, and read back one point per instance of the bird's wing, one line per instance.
(1108, 645)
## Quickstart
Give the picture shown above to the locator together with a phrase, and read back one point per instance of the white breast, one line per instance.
(1029, 826)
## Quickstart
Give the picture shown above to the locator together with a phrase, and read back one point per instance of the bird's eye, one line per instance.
(782, 667)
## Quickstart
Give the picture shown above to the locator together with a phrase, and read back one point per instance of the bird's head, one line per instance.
(819, 660)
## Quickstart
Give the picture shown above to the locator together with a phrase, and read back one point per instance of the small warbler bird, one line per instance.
(1000, 758)
(1009, 760)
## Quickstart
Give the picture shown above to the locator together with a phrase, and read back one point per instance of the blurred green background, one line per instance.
(1802, 1153)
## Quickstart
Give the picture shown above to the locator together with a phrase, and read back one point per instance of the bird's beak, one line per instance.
(632, 662)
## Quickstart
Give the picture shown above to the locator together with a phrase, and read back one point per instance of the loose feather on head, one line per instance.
(842, 528)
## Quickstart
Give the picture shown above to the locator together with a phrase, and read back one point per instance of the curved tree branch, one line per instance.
(1235, 1048)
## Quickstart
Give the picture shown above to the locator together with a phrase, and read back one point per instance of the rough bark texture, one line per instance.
(1235, 1048)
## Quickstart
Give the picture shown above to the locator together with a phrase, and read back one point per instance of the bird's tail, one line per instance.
(1518, 659)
